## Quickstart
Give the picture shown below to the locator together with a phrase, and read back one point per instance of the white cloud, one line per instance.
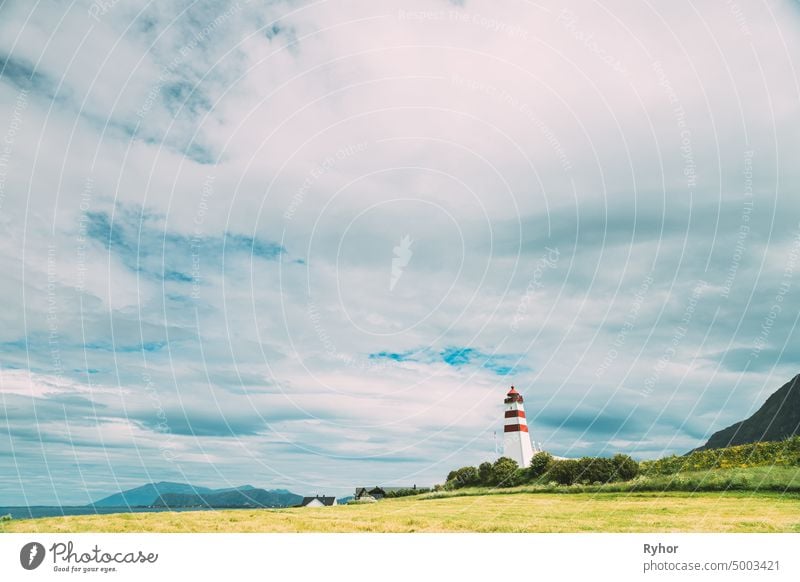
(486, 133)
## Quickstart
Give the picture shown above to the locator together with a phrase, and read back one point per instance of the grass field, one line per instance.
(509, 511)
(755, 499)
(750, 479)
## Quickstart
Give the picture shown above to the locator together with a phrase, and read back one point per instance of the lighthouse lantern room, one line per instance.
(516, 440)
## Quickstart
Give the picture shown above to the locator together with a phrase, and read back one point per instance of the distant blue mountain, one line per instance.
(240, 488)
(238, 497)
(169, 494)
(147, 494)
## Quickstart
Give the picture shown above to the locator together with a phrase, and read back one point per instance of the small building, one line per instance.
(376, 493)
(379, 493)
(318, 501)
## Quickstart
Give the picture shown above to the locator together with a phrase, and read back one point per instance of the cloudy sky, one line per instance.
(311, 244)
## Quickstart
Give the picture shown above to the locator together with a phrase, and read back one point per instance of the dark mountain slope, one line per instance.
(776, 420)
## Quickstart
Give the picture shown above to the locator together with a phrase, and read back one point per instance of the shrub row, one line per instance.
(544, 468)
(407, 492)
(784, 453)
(590, 470)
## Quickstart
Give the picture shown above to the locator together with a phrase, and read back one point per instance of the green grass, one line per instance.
(754, 479)
(473, 510)
(754, 499)
(785, 453)
(776, 479)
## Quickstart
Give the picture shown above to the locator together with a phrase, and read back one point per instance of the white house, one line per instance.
(318, 501)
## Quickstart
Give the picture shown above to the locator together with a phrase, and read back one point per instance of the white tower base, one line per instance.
(517, 446)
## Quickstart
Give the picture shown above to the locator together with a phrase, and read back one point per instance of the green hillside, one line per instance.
(777, 419)
(784, 453)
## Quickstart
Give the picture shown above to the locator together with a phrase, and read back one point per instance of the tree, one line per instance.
(564, 472)
(595, 470)
(503, 472)
(539, 464)
(463, 477)
(485, 473)
(625, 468)
(466, 476)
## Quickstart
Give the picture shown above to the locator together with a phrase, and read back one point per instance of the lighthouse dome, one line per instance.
(513, 396)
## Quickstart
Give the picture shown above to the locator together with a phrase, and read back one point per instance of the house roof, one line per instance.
(363, 490)
(322, 499)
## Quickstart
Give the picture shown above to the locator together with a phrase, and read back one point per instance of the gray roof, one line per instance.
(385, 489)
(322, 499)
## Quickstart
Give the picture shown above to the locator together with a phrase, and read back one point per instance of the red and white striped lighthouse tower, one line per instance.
(516, 440)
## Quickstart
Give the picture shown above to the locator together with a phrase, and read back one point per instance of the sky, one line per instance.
(310, 245)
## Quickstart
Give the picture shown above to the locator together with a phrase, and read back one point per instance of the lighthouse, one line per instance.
(516, 440)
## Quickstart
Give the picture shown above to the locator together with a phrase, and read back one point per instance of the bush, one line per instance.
(785, 453)
(504, 472)
(485, 473)
(409, 491)
(595, 469)
(467, 476)
(539, 464)
(6, 518)
(662, 474)
(519, 477)
(463, 477)
(564, 472)
(588, 470)
(625, 468)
